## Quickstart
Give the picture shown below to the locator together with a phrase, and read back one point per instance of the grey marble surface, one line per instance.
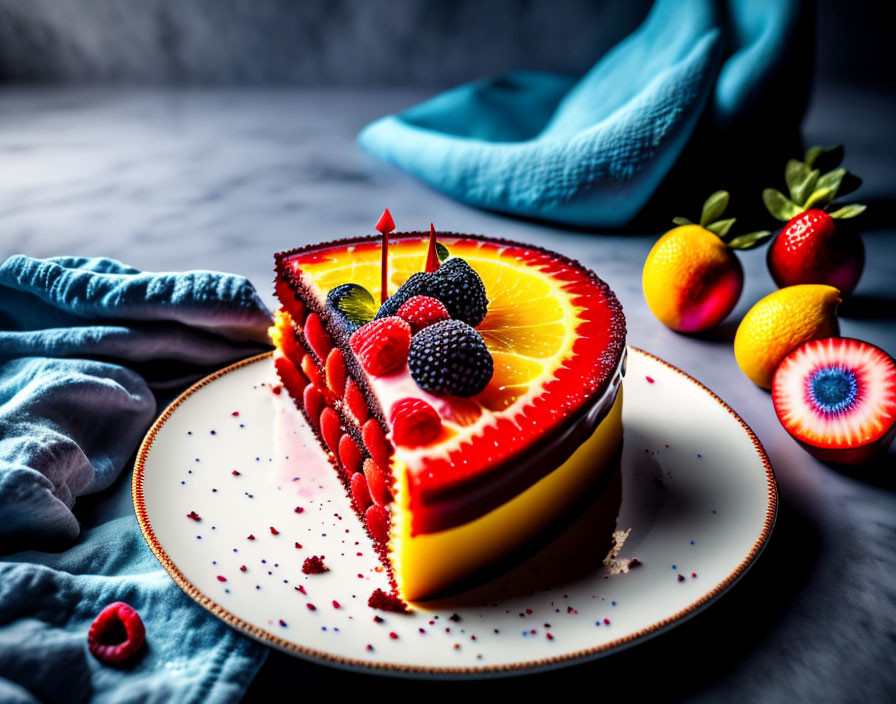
(221, 179)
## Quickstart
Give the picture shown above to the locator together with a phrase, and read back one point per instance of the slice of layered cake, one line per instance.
(468, 406)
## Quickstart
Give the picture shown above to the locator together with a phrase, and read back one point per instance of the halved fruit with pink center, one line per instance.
(461, 472)
(837, 397)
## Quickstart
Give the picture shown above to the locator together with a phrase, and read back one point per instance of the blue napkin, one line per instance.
(89, 349)
(592, 152)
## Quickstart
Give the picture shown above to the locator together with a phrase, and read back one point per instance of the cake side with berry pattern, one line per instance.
(468, 409)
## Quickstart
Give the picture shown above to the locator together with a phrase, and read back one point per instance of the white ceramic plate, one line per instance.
(698, 495)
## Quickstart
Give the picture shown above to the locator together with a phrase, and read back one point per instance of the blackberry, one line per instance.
(352, 304)
(455, 284)
(450, 357)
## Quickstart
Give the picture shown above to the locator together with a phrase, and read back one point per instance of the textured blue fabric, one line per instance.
(592, 152)
(89, 348)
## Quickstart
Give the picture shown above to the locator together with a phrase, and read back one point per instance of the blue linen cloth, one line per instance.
(592, 152)
(89, 349)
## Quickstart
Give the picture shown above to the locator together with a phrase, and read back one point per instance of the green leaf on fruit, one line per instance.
(750, 240)
(714, 207)
(682, 221)
(442, 252)
(721, 227)
(820, 198)
(794, 174)
(779, 205)
(848, 211)
(802, 190)
(824, 158)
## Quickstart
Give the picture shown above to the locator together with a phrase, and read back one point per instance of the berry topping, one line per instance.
(382, 345)
(377, 519)
(360, 492)
(422, 311)
(377, 482)
(352, 304)
(455, 284)
(450, 357)
(317, 337)
(414, 422)
(116, 633)
(314, 403)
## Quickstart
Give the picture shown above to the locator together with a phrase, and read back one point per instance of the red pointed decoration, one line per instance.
(432, 257)
(385, 225)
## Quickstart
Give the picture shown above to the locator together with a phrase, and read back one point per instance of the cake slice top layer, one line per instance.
(555, 331)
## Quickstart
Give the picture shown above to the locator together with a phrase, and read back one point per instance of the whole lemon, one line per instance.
(779, 322)
(691, 279)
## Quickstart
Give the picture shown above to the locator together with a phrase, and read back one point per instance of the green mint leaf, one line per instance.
(795, 173)
(714, 207)
(682, 221)
(820, 198)
(442, 252)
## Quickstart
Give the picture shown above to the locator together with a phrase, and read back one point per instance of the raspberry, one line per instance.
(314, 403)
(422, 311)
(291, 377)
(377, 519)
(450, 357)
(330, 428)
(317, 337)
(116, 633)
(414, 422)
(360, 492)
(314, 565)
(313, 373)
(349, 455)
(335, 371)
(375, 441)
(354, 400)
(377, 482)
(382, 345)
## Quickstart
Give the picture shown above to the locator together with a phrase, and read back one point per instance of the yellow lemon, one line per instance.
(779, 322)
(691, 279)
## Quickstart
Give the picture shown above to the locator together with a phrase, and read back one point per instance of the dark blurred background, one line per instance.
(360, 42)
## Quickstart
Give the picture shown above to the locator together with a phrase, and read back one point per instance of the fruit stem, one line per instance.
(432, 257)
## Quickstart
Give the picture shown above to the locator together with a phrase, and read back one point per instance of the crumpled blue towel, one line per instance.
(88, 350)
(592, 152)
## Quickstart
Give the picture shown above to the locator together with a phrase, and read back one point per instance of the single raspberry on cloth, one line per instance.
(382, 345)
(116, 633)
(422, 311)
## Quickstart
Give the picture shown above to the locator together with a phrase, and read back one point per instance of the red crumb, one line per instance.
(311, 607)
(194, 516)
(282, 622)
(681, 578)
(314, 565)
(274, 531)
(222, 579)
(299, 509)
(242, 568)
(251, 537)
(393, 635)
(634, 562)
(277, 389)
(693, 574)
(649, 379)
(300, 588)
(235, 414)
(336, 604)
(298, 546)
(235, 473)
(387, 602)
(549, 636)
(606, 622)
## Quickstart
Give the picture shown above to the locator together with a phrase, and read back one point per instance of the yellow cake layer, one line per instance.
(429, 564)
